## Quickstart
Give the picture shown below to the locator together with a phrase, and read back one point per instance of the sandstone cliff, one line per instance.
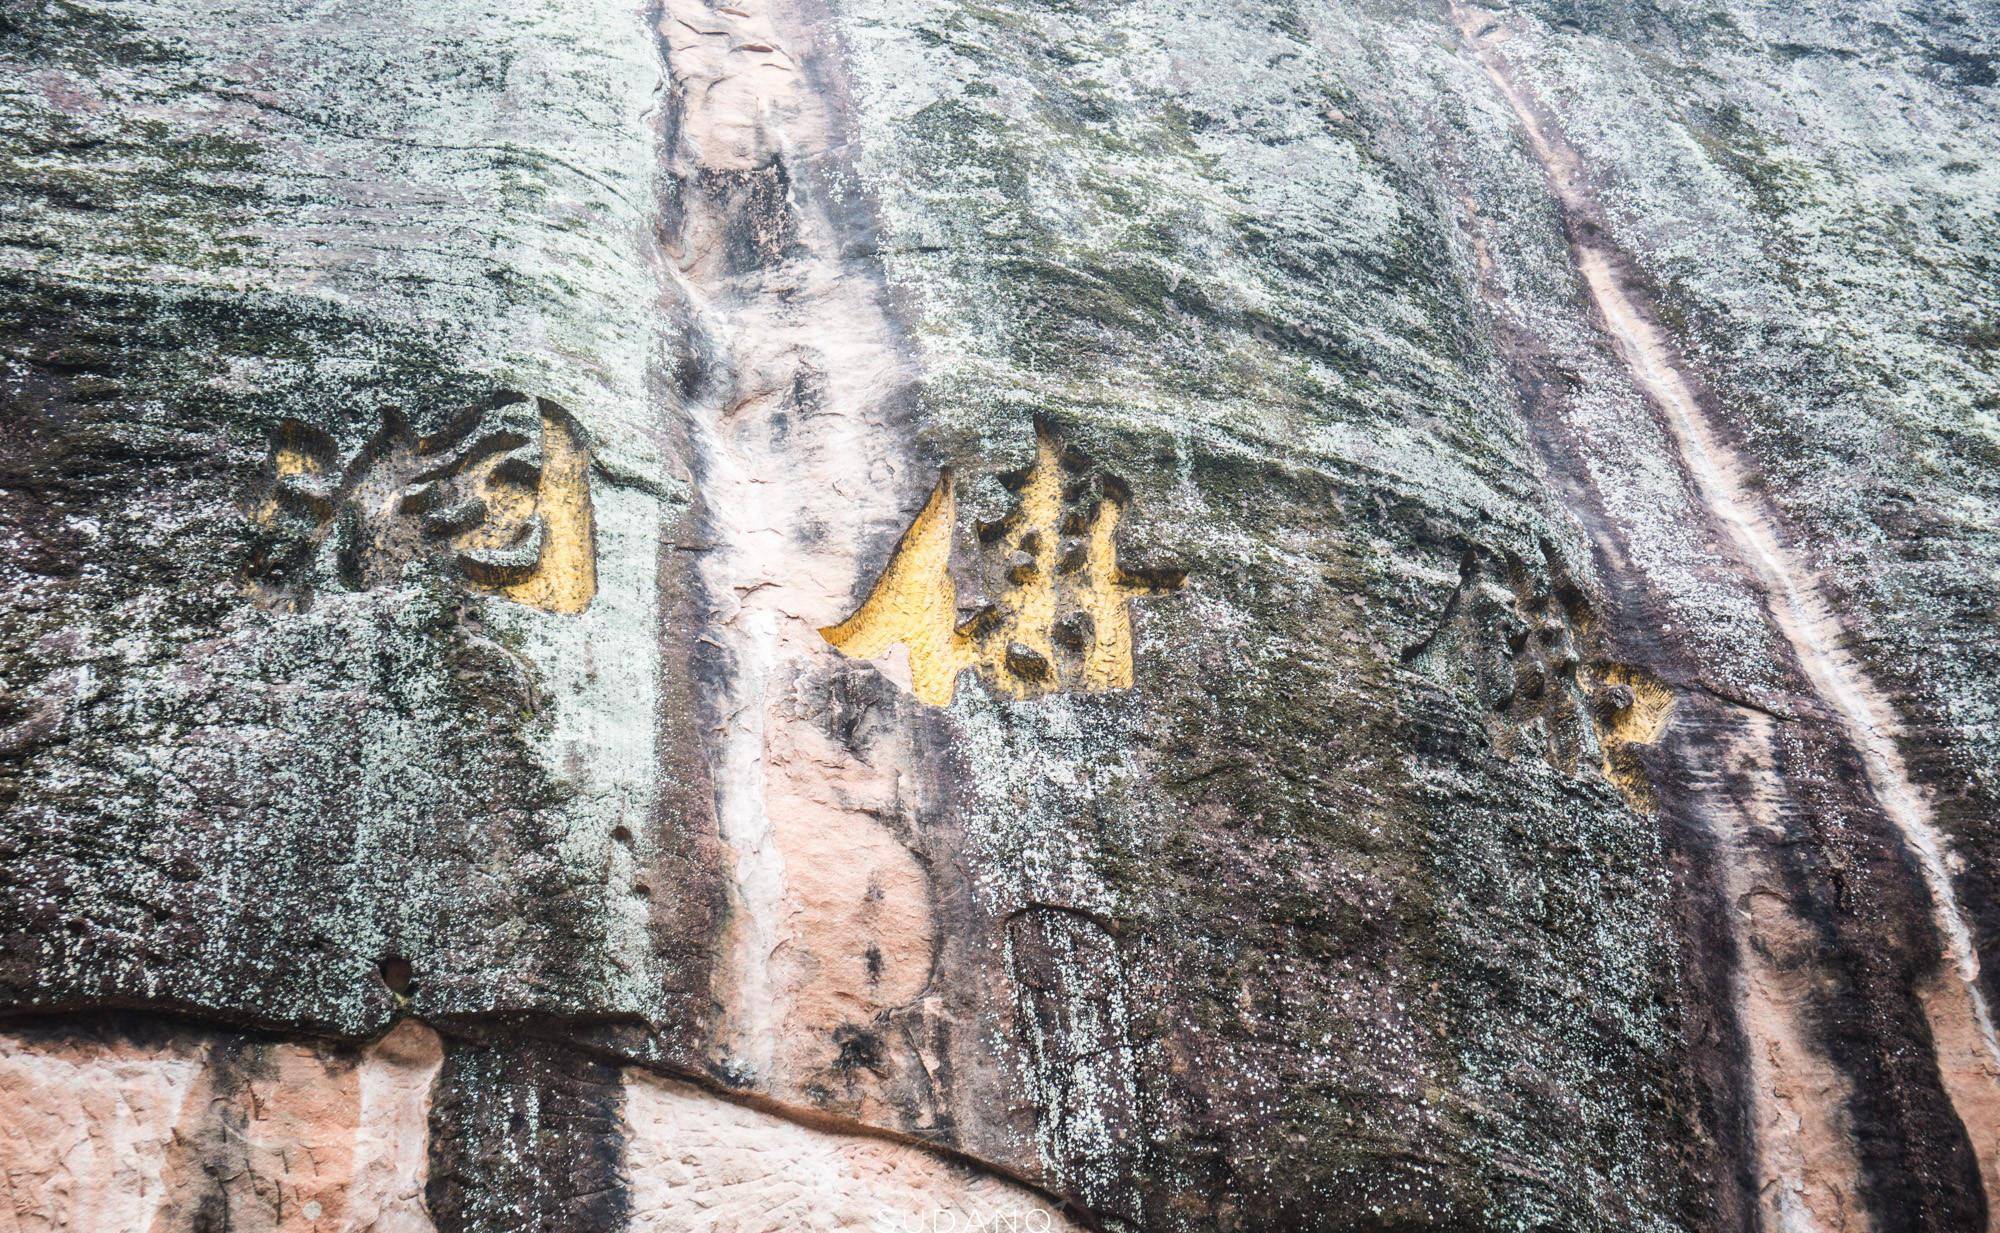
(908, 615)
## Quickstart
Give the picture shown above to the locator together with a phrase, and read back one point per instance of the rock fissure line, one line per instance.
(369, 1146)
(812, 1117)
(1967, 1050)
(806, 1116)
(1798, 1140)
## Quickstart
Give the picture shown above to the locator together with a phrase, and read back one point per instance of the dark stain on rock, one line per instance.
(526, 1137)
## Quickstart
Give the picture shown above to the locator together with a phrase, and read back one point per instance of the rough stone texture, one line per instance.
(526, 1137)
(701, 1163)
(123, 1125)
(1524, 758)
(223, 218)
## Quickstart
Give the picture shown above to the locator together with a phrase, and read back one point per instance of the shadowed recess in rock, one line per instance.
(1070, 992)
(526, 1137)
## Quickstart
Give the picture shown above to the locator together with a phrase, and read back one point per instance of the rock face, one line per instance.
(908, 615)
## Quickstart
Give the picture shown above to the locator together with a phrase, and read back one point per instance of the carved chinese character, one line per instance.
(1059, 618)
(500, 499)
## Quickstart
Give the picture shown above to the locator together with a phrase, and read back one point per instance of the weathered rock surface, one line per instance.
(893, 614)
(119, 1124)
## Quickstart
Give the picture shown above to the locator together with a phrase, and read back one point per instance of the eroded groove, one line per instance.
(798, 379)
(800, 410)
(1967, 1052)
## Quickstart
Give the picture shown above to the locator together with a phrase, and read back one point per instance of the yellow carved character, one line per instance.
(1060, 619)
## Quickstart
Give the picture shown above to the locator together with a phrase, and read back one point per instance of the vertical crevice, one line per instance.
(796, 404)
(1797, 1180)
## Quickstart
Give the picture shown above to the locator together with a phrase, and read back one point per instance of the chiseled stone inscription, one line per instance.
(500, 499)
(1059, 618)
